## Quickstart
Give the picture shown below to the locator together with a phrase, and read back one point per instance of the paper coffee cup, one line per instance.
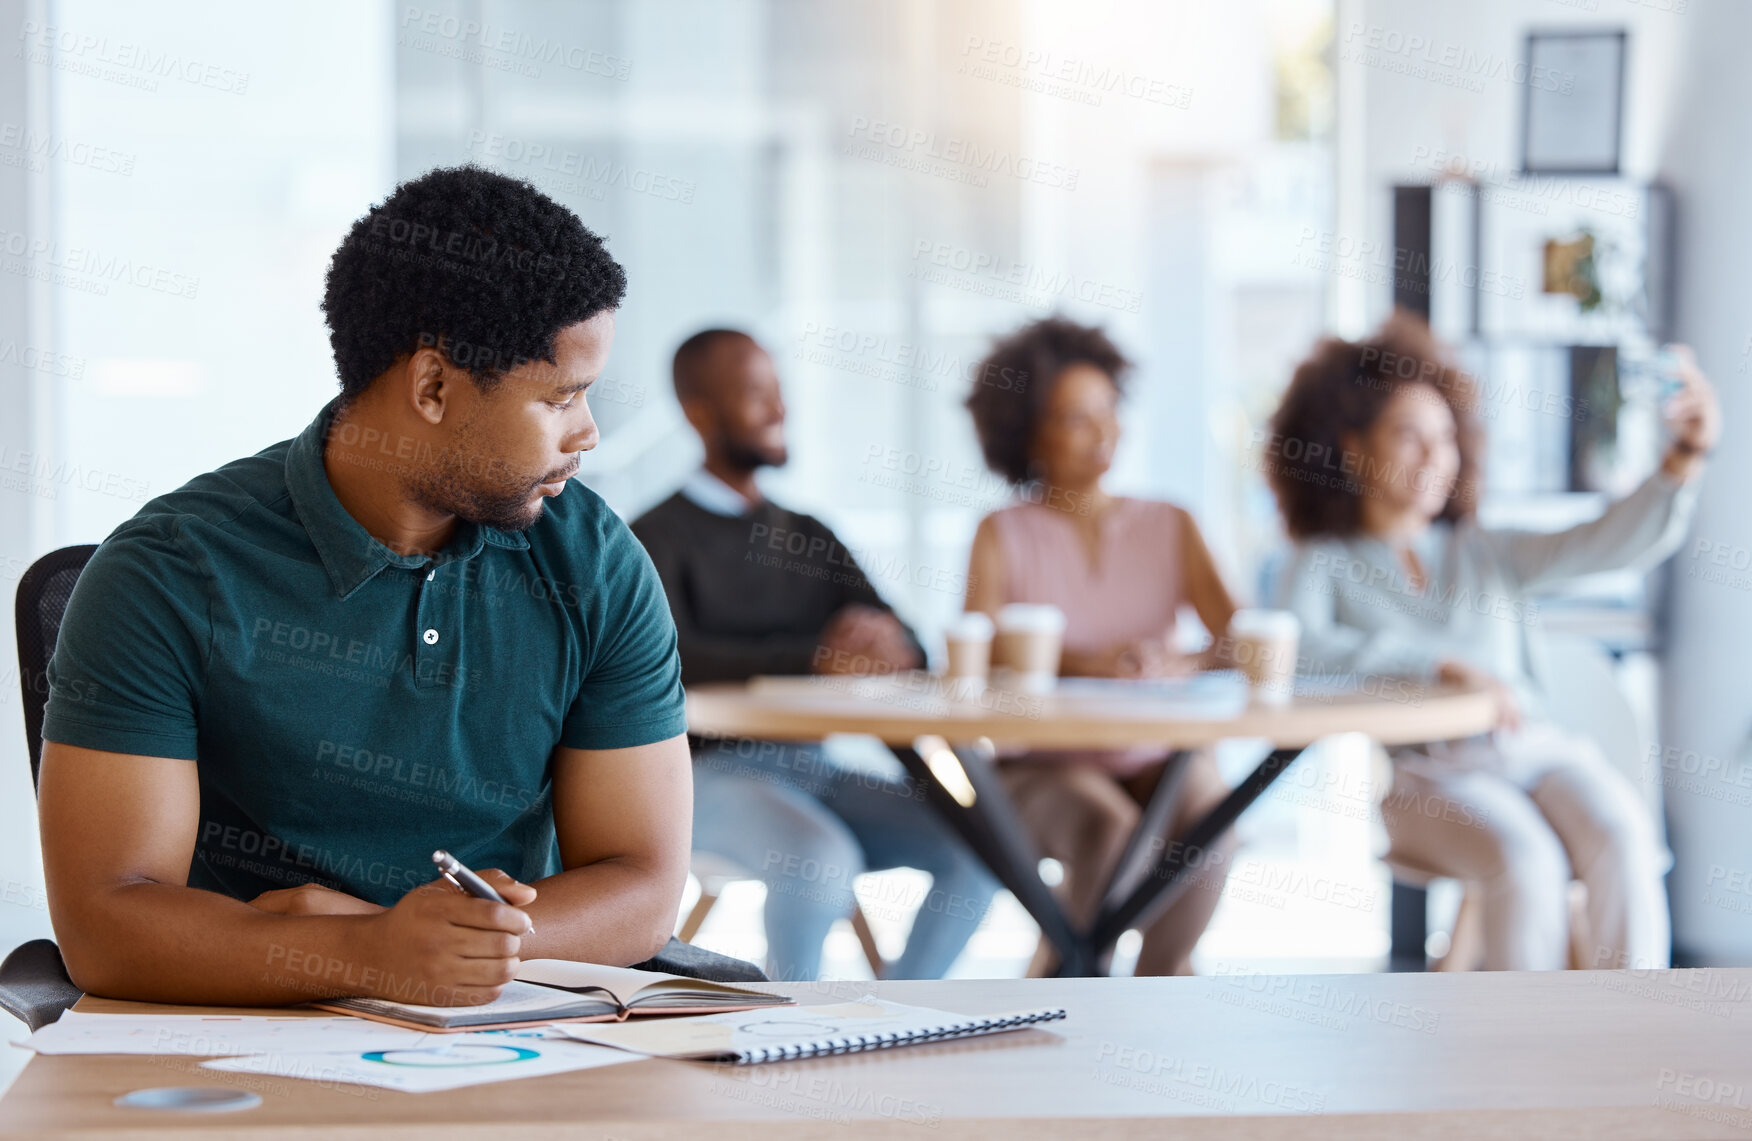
(969, 642)
(1025, 649)
(1265, 644)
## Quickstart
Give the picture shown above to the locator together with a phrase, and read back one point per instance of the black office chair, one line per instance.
(34, 985)
(33, 981)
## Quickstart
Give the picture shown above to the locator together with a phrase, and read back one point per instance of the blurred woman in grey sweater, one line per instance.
(1374, 460)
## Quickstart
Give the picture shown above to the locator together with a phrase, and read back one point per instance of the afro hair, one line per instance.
(481, 266)
(1014, 381)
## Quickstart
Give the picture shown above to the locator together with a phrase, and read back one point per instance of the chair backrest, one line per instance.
(1584, 695)
(42, 599)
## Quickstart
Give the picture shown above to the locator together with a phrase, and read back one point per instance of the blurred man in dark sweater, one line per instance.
(756, 589)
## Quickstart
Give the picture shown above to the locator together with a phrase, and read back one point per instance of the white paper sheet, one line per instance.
(214, 1035)
(1215, 695)
(449, 1061)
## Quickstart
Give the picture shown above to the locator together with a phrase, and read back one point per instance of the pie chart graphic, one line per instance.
(456, 1056)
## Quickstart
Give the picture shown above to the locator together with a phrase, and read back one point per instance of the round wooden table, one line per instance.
(946, 746)
(901, 709)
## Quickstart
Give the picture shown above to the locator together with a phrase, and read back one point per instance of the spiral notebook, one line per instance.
(799, 1032)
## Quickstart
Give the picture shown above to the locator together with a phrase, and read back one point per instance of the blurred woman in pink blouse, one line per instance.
(1120, 569)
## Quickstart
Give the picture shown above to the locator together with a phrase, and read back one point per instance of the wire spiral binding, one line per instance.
(853, 1045)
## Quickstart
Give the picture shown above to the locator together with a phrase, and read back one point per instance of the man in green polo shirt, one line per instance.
(280, 687)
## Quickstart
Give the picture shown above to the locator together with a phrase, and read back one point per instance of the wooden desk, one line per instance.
(1598, 1055)
(946, 745)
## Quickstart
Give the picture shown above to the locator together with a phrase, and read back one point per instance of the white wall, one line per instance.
(24, 337)
(1708, 703)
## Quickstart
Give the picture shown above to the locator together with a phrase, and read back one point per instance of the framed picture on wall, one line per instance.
(1574, 105)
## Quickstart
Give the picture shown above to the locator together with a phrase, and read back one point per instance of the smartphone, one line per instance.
(1649, 375)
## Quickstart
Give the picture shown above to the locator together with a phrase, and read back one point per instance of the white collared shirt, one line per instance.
(708, 492)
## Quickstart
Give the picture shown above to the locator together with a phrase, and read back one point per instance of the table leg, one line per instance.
(1146, 838)
(994, 830)
(1408, 925)
(1166, 879)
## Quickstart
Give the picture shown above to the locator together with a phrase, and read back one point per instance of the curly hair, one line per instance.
(484, 267)
(1341, 389)
(1007, 404)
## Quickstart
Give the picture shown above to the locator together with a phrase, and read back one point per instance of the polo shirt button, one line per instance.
(431, 637)
(430, 574)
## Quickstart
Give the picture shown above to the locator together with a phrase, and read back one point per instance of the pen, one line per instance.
(459, 874)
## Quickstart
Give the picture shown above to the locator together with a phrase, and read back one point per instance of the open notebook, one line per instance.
(558, 990)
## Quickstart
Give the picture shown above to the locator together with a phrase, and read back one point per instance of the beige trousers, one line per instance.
(1516, 816)
(1082, 816)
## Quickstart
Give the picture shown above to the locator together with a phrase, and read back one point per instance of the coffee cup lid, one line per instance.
(1032, 617)
(972, 626)
(1265, 624)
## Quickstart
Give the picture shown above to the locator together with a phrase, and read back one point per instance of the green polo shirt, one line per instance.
(348, 709)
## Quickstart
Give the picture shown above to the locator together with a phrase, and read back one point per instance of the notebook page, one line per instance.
(518, 1002)
(622, 982)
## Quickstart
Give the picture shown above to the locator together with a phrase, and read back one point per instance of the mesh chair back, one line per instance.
(42, 599)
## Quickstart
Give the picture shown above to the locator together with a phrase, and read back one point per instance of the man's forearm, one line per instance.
(617, 912)
(158, 942)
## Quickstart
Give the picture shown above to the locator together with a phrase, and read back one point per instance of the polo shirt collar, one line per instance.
(349, 553)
